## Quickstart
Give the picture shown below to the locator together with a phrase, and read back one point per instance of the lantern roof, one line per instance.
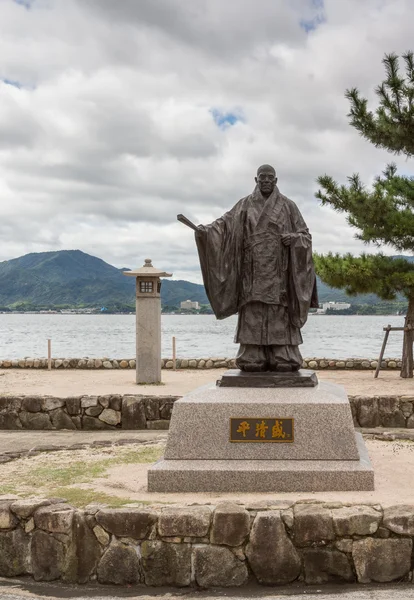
(147, 270)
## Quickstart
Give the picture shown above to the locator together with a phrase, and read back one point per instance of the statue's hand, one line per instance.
(286, 239)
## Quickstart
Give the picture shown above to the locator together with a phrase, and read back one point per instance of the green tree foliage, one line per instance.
(383, 213)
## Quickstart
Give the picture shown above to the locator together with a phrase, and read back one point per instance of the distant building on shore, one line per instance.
(333, 306)
(189, 305)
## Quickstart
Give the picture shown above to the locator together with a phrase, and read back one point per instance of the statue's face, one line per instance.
(266, 180)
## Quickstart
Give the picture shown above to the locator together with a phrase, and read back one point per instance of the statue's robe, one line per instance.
(248, 270)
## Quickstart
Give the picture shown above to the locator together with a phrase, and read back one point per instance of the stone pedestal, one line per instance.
(246, 439)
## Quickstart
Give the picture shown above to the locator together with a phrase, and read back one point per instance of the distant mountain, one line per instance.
(76, 278)
(72, 277)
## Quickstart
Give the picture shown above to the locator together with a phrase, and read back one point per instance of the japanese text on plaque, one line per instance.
(261, 430)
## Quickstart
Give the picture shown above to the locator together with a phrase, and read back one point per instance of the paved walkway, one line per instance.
(74, 382)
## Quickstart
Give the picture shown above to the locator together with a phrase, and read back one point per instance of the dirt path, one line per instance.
(73, 382)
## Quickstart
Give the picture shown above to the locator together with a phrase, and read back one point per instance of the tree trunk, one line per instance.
(407, 356)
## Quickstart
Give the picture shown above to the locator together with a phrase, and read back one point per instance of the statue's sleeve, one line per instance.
(220, 248)
(302, 279)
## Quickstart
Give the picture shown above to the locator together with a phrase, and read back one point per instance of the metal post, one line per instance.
(174, 355)
(49, 354)
(384, 343)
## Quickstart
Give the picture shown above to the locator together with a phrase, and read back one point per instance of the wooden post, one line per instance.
(384, 343)
(49, 355)
(174, 356)
(407, 370)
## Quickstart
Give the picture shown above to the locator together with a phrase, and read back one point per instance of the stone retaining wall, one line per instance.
(154, 412)
(191, 363)
(206, 546)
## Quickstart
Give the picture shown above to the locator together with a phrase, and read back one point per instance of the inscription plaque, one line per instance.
(257, 429)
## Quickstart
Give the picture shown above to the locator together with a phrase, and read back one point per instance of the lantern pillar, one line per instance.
(148, 322)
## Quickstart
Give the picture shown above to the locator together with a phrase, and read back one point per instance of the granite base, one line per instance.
(263, 475)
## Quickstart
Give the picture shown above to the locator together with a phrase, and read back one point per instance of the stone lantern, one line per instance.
(148, 322)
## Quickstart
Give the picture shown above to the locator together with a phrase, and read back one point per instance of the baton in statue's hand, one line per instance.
(187, 222)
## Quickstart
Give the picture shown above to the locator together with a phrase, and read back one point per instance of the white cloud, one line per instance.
(111, 133)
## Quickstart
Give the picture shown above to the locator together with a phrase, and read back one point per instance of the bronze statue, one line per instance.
(256, 261)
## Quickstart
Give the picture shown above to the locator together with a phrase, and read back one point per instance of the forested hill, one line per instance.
(72, 277)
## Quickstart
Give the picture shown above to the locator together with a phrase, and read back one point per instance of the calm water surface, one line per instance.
(197, 336)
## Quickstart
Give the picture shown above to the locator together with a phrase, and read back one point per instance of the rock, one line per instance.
(344, 545)
(115, 402)
(35, 421)
(271, 554)
(152, 408)
(410, 422)
(124, 364)
(127, 522)
(73, 406)
(56, 518)
(14, 553)
(58, 363)
(201, 364)
(313, 364)
(93, 423)
(10, 421)
(97, 363)
(25, 507)
(107, 364)
(87, 401)
(312, 523)
(400, 519)
(191, 521)
(104, 401)
(160, 424)
(52, 403)
(169, 364)
(406, 409)
(355, 520)
(61, 420)
(32, 404)
(209, 364)
(231, 525)
(133, 413)
(7, 518)
(6, 364)
(29, 526)
(47, 556)
(322, 565)
(166, 564)
(340, 364)
(184, 363)
(166, 406)
(109, 416)
(119, 565)
(90, 364)
(132, 364)
(87, 550)
(365, 364)
(390, 413)
(93, 411)
(381, 560)
(367, 411)
(10, 404)
(217, 566)
(392, 364)
(192, 364)
(101, 535)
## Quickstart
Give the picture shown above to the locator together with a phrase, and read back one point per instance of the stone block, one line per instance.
(355, 520)
(190, 521)
(10, 421)
(87, 550)
(35, 421)
(133, 413)
(32, 404)
(56, 518)
(160, 424)
(390, 413)
(127, 522)
(61, 420)
(73, 406)
(367, 411)
(166, 564)
(270, 552)
(50, 403)
(14, 553)
(215, 566)
(25, 507)
(152, 408)
(101, 535)
(382, 560)
(94, 423)
(231, 525)
(115, 402)
(400, 519)
(10, 404)
(7, 518)
(325, 565)
(119, 565)
(88, 401)
(166, 407)
(312, 523)
(47, 556)
(111, 417)
(93, 411)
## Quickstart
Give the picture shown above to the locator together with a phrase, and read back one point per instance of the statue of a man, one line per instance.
(256, 261)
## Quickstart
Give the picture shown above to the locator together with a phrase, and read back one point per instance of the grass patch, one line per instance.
(7, 489)
(81, 498)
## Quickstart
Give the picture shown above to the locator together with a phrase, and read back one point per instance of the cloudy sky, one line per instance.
(115, 115)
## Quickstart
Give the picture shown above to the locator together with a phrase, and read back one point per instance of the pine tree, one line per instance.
(382, 214)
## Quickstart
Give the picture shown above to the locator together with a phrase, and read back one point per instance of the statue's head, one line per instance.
(266, 179)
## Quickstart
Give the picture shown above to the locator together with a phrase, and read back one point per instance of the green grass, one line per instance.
(81, 498)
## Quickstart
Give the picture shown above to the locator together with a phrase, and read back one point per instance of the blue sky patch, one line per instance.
(225, 119)
(312, 23)
(26, 3)
(12, 82)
